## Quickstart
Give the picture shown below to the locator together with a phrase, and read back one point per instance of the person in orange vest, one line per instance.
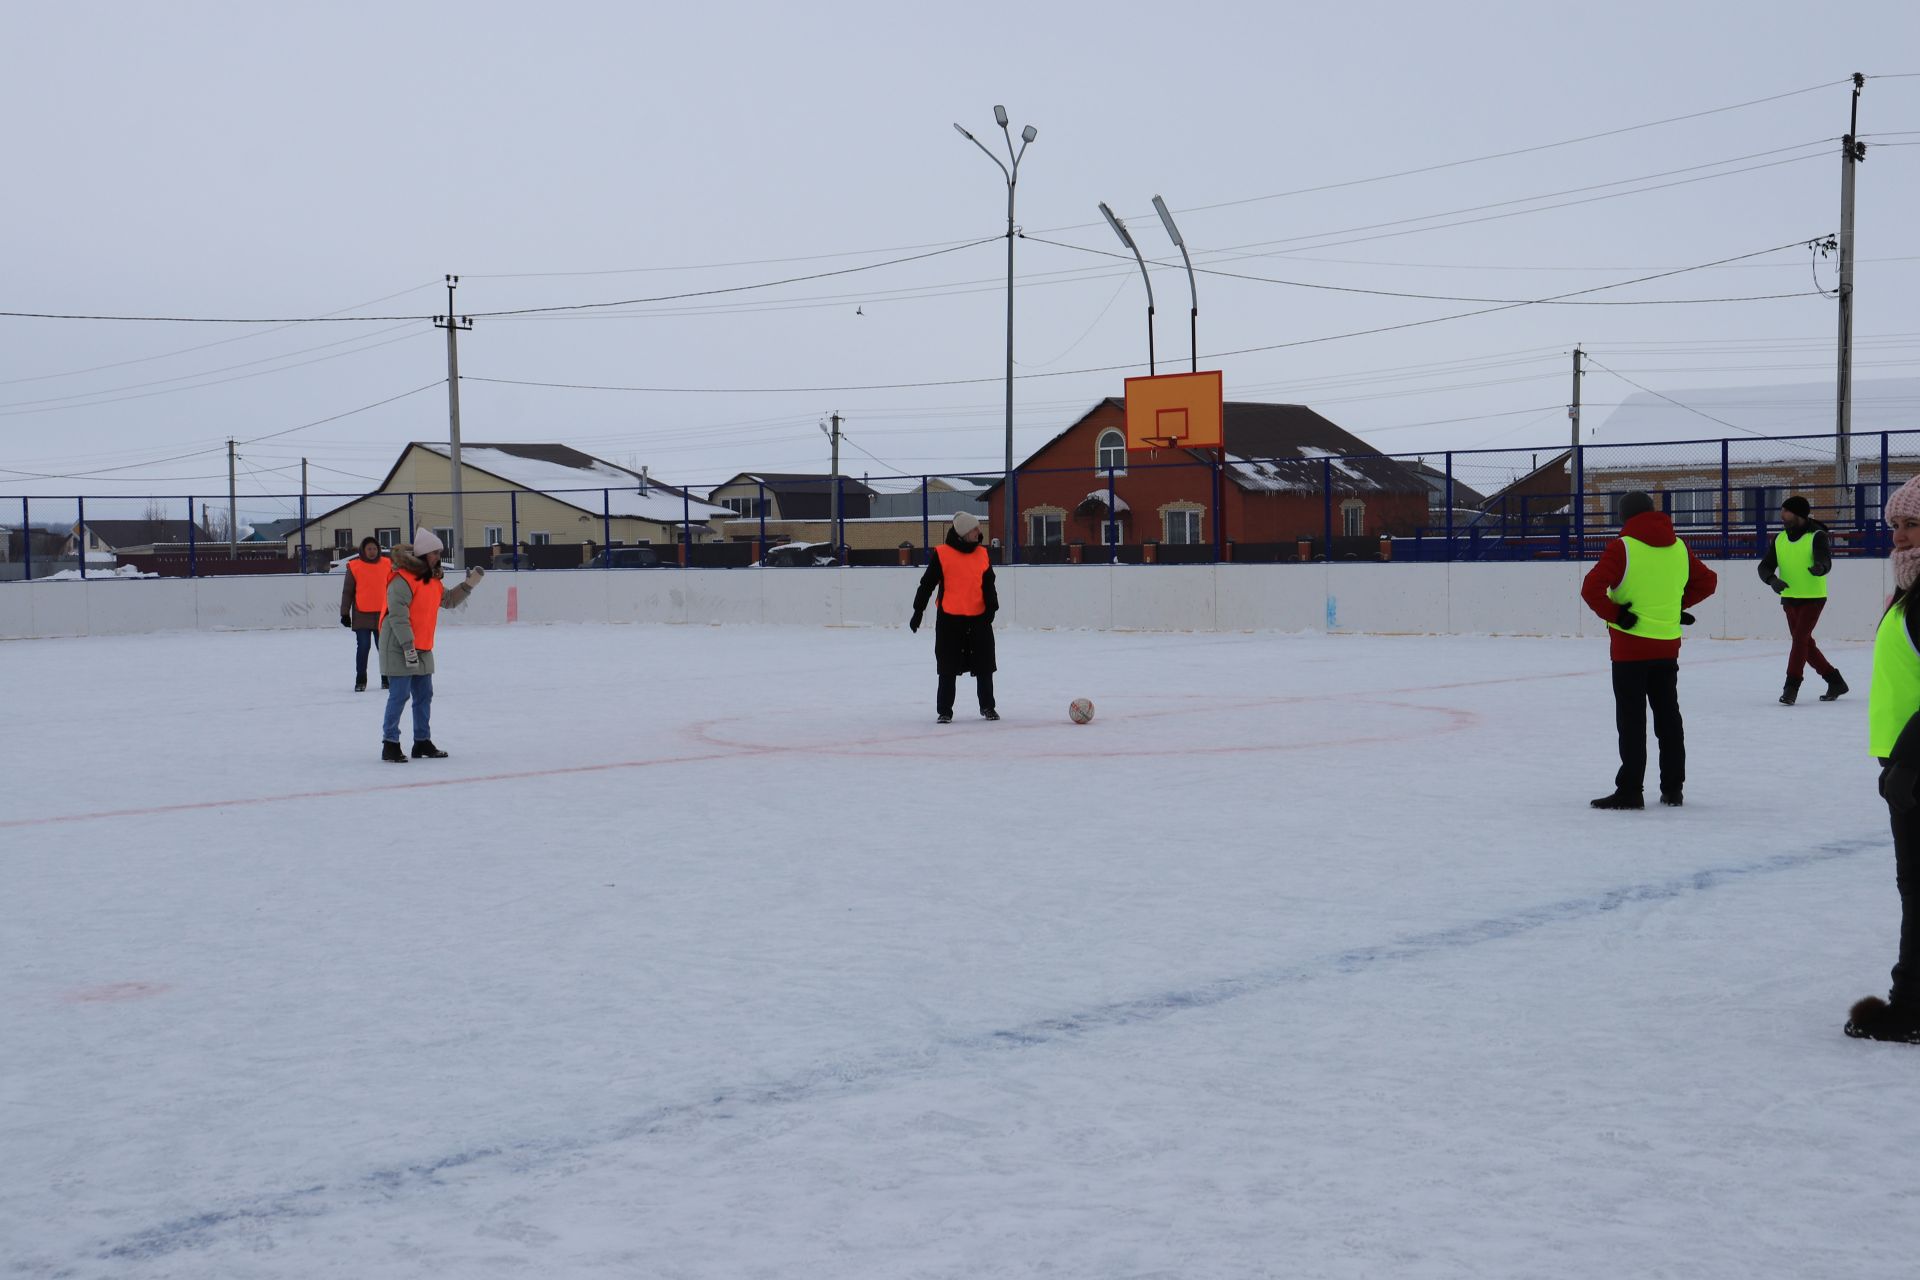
(415, 598)
(962, 572)
(363, 602)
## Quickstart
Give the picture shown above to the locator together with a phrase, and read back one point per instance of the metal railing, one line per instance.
(1509, 504)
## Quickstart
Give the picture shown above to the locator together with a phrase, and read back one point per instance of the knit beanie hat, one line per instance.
(1904, 502)
(1637, 503)
(425, 543)
(965, 522)
(1798, 505)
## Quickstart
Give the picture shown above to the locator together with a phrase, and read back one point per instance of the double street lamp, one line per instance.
(1011, 172)
(1193, 311)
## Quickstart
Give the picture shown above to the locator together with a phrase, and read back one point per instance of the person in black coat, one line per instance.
(962, 572)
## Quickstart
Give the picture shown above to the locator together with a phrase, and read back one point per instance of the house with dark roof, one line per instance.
(108, 538)
(1287, 475)
(785, 495)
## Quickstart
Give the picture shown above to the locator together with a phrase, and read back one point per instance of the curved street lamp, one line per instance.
(1010, 540)
(1193, 313)
(1120, 229)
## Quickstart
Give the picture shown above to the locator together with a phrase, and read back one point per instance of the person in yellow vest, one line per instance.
(1893, 727)
(363, 602)
(1642, 586)
(962, 571)
(1795, 565)
(415, 598)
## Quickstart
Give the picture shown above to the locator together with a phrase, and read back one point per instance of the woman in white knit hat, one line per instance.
(962, 571)
(414, 600)
(1893, 718)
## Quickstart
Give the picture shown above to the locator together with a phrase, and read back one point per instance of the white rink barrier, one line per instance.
(1537, 599)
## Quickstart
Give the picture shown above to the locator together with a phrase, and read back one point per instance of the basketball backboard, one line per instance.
(1176, 411)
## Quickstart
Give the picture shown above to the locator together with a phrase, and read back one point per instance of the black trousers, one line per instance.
(1636, 686)
(1906, 875)
(944, 702)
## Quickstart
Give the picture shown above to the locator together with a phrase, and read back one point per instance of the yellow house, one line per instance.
(514, 494)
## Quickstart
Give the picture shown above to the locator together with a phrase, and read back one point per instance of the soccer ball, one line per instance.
(1080, 710)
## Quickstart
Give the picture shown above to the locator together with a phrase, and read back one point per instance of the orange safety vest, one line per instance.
(370, 584)
(425, 610)
(962, 578)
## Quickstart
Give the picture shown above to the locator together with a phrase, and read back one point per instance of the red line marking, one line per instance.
(703, 732)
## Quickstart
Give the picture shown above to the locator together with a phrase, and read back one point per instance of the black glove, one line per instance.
(1897, 782)
(913, 623)
(346, 622)
(1686, 619)
(1626, 618)
(1779, 586)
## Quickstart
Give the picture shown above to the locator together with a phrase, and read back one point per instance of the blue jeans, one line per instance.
(399, 689)
(362, 641)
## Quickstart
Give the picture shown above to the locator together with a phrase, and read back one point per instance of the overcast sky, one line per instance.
(250, 160)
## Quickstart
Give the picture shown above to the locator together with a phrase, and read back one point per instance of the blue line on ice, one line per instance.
(199, 1230)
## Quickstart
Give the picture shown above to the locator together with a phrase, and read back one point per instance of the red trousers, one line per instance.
(1801, 617)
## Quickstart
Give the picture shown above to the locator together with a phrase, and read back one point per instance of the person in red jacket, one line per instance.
(1641, 588)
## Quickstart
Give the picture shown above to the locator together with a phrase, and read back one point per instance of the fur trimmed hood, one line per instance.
(403, 558)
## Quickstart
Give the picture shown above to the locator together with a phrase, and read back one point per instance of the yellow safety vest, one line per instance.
(1793, 561)
(1655, 580)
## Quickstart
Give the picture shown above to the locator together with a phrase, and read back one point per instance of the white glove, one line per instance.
(412, 656)
(474, 575)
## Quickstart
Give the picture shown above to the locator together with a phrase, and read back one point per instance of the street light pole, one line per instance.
(1126, 238)
(1193, 290)
(1010, 538)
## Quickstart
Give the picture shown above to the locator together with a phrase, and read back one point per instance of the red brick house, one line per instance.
(1273, 490)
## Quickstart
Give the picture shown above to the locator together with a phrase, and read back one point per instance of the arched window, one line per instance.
(1111, 451)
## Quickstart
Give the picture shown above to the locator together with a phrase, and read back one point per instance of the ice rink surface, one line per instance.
(708, 954)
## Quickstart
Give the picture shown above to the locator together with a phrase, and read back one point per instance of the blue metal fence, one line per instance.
(1723, 496)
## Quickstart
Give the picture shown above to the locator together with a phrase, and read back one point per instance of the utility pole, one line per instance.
(833, 524)
(233, 509)
(1852, 152)
(303, 515)
(1573, 452)
(456, 554)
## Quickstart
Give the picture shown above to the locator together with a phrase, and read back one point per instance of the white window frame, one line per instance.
(496, 534)
(387, 538)
(1102, 449)
(540, 538)
(446, 538)
(1191, 521)
(1691, 506)
(1353, 518)
(1046, 528)
(343, 539)
(1112, 526)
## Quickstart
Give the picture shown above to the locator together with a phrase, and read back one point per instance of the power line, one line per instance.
(1443, 297)
(217, 382)
(157, 382)
(1496, 155)
(274, 435)
(204, 346)
(1061, 373)
(516, 311)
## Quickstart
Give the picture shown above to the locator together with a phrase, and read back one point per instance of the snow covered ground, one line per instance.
(708, 954)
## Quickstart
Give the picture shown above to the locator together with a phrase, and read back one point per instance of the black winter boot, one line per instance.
(425, 750)
(383, 682)
(945, 717)
(1836, 685)
(1790, 693)
(1622, 800)
(391, 753)
(360, 684)
(1875, 1019)
(1672, 799)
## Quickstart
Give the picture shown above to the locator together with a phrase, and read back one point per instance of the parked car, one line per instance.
(626, 558)
(795, 555)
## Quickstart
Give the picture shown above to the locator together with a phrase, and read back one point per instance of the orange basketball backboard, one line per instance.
(1176, 411)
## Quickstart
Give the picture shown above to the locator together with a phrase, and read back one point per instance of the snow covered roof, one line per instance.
(554, 469)
(1745, 413)
(911, 484)
(1100, 496)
